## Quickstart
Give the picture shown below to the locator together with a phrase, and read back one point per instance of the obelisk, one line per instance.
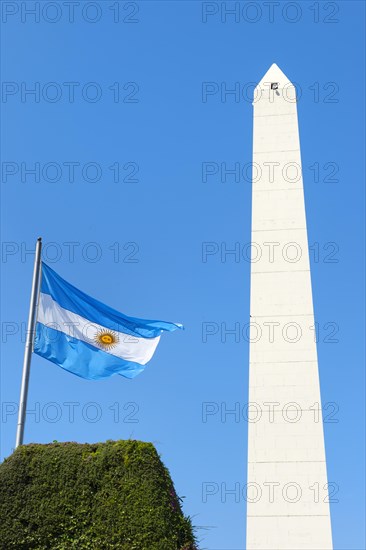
(287, 498)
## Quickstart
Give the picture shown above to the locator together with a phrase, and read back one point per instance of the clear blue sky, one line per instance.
(159, 131)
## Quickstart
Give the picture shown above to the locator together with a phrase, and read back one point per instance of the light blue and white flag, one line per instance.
(88, 338)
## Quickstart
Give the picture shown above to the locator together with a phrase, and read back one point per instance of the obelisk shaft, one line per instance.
(287, 497)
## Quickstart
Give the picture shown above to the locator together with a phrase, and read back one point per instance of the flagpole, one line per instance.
(29, 344)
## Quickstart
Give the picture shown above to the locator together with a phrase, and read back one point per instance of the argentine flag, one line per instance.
(88, 338)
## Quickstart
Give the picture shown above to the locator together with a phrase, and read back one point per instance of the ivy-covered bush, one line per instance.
(99, 496)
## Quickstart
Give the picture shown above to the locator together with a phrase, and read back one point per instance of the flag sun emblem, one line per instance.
(106, 339)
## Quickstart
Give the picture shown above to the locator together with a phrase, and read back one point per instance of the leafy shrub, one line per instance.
(67, 496)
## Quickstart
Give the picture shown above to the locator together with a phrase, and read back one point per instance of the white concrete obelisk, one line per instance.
(287, 500)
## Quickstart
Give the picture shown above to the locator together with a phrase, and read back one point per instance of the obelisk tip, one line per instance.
(274, 75)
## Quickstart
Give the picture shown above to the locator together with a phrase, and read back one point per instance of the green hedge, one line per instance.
(68, 496)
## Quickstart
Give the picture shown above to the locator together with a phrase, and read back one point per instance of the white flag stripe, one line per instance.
(130, 348)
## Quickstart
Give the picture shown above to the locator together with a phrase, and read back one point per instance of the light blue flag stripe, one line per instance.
(80, 358)
(76, 301)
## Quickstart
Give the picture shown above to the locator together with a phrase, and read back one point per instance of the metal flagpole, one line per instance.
(29, 344)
